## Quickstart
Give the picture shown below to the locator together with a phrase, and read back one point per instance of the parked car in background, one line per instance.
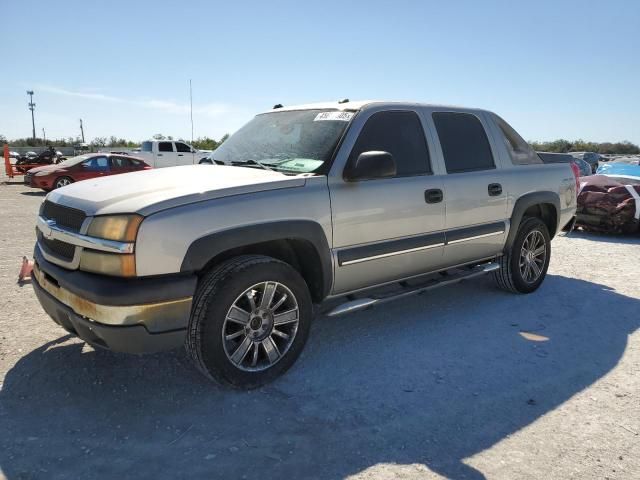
(592, 158)
(169, 153)
(583, 167)
(314, 202)
(83, 167)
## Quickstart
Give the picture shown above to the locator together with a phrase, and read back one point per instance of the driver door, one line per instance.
(92, 168)
(386, 229)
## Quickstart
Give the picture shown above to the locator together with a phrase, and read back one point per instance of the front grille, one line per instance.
(71, 218)
(63, 250)
(27, 178)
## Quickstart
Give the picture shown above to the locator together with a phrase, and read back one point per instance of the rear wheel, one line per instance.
(62, 182)
(524, 267)
(250, 321)
(205, 162)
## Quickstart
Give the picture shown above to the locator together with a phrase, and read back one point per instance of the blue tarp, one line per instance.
(619, 169)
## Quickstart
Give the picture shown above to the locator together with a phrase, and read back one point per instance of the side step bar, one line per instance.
(365, 302)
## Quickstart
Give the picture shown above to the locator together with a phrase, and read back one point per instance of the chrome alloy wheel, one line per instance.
(63, 182)
(260, 326)
(533, 255)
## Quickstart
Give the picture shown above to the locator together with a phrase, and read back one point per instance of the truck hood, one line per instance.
(150, 191)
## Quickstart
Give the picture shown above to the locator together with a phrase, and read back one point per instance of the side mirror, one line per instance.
(370, 165)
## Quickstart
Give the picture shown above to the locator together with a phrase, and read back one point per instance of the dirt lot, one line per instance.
(465, 382)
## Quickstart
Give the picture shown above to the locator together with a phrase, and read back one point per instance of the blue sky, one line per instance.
(553, 69)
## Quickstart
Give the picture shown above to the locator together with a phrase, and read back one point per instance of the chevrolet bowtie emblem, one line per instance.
(48, 233)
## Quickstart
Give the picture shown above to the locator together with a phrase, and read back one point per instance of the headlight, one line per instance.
(41, 174)
(121, 228)
(116, 264)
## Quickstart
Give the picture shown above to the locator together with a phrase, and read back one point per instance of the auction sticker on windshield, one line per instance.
(343, 116)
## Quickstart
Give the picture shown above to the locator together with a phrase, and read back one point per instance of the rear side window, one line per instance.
(464, 142)
(165, 147)
(146, 147)
(120, 162)
(181, 147)
(520, 151)
(400, 134)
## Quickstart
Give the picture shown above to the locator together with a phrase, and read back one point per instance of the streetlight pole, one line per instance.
(32, 107)
(44, 136)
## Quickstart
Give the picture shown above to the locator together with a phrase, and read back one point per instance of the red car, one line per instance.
(83, 167)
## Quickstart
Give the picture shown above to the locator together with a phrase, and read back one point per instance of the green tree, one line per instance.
(99, 142)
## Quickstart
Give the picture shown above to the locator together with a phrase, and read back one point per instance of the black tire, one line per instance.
(220, 289)
(510, 277)
(62, 182)
(205, 162)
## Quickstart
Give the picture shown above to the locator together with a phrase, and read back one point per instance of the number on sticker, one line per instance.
(341, 116)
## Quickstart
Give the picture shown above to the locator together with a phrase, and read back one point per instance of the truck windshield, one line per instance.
(298, 141)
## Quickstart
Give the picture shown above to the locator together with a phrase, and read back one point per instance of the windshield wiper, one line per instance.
(254, 162)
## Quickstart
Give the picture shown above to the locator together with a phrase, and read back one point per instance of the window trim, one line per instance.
(430, 170)
(486, 136)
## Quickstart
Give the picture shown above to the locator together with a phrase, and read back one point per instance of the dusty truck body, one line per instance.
(313, 208)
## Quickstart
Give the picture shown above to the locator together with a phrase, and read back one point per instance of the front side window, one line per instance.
(97, 164)
(165, 147)
(464, 142)
(520, 151)
(300, 141)
(182, 147)
(399, 133)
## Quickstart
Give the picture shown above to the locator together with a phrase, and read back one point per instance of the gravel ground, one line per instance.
(464, 382)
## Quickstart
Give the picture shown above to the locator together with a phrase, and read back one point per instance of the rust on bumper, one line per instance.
(155, 317)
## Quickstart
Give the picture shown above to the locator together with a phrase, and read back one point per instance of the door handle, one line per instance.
(159, 154)
(494, 189)
(180, 155)
(433, 196)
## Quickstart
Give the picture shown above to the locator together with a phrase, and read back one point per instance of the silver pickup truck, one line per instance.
(325, 208)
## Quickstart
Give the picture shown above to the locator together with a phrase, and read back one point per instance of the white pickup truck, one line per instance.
(169, 153)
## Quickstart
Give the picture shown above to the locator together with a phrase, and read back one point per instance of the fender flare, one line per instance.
(205, 248)
(521, 206)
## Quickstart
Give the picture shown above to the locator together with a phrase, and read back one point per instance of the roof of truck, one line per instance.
(360, 104)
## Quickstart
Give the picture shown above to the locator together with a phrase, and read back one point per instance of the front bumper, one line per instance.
(138, 316)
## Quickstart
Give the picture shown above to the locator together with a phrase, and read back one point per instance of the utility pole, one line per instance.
(44, 136)
(82, 130)
(32, 107)
(191, 104)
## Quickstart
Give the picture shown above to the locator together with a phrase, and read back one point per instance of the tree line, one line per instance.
(201, 143)
(208, 143)
(564, 146)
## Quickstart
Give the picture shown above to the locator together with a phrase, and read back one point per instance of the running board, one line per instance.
(365, 302)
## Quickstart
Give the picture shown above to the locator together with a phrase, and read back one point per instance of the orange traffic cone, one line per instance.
(25, 270)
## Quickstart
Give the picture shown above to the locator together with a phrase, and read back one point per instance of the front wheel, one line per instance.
(62, 182)
(524, 267)
(250, 321)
